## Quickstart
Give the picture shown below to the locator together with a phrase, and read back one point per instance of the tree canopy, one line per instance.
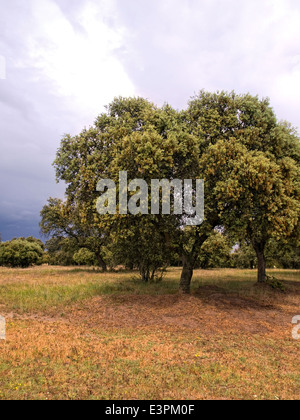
(248, 159)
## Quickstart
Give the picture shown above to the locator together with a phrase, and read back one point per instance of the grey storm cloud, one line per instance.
(66, 60)
(179, 47)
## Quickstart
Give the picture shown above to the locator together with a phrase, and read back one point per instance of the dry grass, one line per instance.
(79, 334)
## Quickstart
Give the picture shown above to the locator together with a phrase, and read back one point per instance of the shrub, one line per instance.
(21, 253)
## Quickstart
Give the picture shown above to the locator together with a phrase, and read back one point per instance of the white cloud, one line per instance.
(182, 46)
(82, 64)
(2, 67)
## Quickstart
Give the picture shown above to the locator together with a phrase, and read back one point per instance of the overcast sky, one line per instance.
(61, 61)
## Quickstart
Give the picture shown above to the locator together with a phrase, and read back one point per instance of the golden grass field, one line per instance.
(80, 334)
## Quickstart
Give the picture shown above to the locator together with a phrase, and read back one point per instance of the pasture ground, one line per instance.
(80, 334)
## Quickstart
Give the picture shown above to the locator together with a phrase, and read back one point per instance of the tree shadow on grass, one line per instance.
(245, 295)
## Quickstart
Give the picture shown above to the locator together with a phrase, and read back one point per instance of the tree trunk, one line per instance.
(144, 273)
(261, 261)
(189, 262)
(186, 275)
(101, 262)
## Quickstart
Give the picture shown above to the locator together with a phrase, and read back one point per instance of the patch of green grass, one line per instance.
(33, 298)
(38, 297)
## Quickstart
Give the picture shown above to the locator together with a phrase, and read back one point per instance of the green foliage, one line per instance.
(21, 252)
(279, 254)
(263, 193)
(283, 254)
(84, 257)
(275, 283)
(60, 251)
(244, 256)
(252, 171)
(70, 232)
(142, 246)
(215, 252)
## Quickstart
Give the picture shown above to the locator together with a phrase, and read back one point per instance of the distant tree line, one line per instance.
(216, 252)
